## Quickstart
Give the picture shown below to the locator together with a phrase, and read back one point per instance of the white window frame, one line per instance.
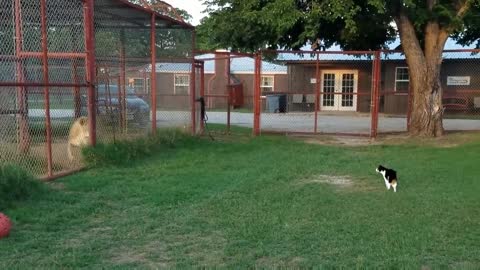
(396, 80)
(147, 86)
(132, 85)
(272, 86)
(175, 84)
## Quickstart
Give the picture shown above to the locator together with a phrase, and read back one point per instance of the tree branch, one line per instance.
(462, 7)
(408, 36)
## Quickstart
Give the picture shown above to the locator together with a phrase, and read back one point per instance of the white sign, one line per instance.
(313, 80)
(458, 80)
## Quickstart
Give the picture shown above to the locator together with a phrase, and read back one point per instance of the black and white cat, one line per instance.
(390, 177)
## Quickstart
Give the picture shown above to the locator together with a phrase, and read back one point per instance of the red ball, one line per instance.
(5, 225)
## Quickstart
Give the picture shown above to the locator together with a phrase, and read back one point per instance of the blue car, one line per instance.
(138, 111)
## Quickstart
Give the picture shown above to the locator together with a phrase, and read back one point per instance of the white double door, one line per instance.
(339, 88)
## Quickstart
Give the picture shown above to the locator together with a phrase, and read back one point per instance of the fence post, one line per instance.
(317, 91)
(153, 79)
(375, 95)
(90, 68)
(48, 127)
(24, 134)
(409, 107)
(256, 94)
(193, 88)
(122, 95)
(202, 89)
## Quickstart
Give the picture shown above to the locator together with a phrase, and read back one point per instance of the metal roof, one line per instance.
(238, 65)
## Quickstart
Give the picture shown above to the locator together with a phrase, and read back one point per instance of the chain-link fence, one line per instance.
(228, 90)
(316, 92)
(63, 60)
(460, 85)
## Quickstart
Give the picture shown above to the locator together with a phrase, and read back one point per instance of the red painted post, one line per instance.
(88, 7)
(375, 95)
(24, 135)
(76, 90)
(192, 88)
(256, 95)
(317, 91)
(48, 127)
(153, 78)
(121, 86)
(202, 88)
(229, 91)
(409, 108)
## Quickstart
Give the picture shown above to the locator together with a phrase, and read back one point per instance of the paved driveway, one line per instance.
(299, 122)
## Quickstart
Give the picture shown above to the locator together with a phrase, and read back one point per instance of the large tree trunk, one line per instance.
(427, 109)
(424, 69)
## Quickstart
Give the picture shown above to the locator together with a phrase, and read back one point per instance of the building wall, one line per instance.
(299, 80)
(397, 103)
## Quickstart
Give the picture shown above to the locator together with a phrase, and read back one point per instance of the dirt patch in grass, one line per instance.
(339, 181)
(449, 140)
(153, 255)
(336, 140)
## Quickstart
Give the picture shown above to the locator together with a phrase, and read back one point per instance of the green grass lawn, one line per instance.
(265, 201)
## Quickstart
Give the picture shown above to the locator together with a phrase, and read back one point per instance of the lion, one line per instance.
(78, 136)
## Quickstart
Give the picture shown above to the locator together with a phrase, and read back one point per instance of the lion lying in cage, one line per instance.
(78, 136)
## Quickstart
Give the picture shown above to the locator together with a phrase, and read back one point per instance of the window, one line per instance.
(182, 84)
(267, 84)
(147, 86)
(401, 79)
(137, 83)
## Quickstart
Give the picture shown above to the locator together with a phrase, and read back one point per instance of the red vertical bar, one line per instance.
(409, 108)
(192, 87)
(76, 90)
(122, 89)
(24, 135)
(153, 78)
(48, 127)
(256, 95)
(202, 88)
(88, 7)
(317, 91)
(229, 91)
(375, 95)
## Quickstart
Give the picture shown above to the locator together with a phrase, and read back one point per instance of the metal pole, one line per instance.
(256, 95)
(202, 88)
(153, 79)
(122, 91)
(317, 91)
(48, 127)
(88, 7)
(192, 87)
(24, 135)
(76, 90)
(409, 107)
(375, 95)
(229, 91)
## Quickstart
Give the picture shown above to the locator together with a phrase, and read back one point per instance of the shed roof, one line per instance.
(238, 65)
(108, 13)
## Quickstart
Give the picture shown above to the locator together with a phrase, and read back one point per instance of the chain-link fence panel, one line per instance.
(316, 92)
(44, 88)
(394, 94)
(460, 81)
(229, 85)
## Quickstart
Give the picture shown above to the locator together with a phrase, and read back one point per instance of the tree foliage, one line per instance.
(248, 25)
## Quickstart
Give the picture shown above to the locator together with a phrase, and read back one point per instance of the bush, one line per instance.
(16, 184)
(123, 153)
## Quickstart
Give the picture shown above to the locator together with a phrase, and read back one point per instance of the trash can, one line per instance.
(277, 103)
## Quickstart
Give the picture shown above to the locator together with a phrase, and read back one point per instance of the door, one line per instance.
(339, 88)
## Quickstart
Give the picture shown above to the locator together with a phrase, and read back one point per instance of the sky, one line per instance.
(193, 7)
